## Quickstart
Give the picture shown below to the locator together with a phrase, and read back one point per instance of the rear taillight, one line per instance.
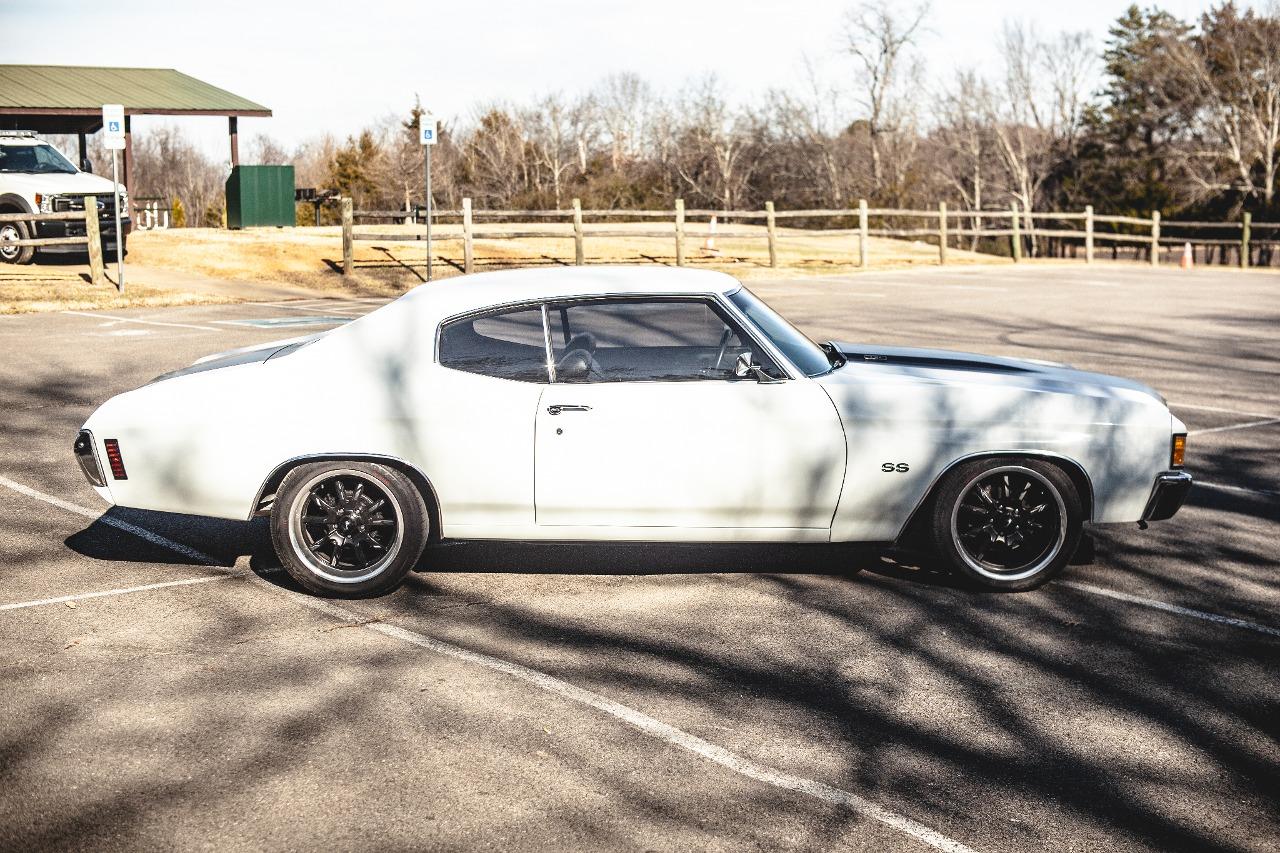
(83, 449)
(1179, 450)
(114, 460)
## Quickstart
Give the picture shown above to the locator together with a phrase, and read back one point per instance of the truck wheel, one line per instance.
(348, 529)
(1007, 523)
(11, 232)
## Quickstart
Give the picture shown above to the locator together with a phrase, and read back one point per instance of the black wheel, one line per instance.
(11, 232)
(348, 528)
(1007, 523)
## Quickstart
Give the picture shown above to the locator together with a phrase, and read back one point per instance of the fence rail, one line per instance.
(92, 238)
(1017, 225)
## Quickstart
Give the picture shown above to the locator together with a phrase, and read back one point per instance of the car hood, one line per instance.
(954, 367)
(81, 183)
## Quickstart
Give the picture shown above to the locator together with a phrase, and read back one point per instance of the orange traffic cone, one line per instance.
(1188, 258)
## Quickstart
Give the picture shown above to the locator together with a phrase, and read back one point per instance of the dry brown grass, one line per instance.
(27, 289)
(312, 257)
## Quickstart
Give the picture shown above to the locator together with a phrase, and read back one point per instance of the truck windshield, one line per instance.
(34, 159)
(802, 352)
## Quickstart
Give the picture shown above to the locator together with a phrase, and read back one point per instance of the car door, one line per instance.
(479, 419)
(645, 425)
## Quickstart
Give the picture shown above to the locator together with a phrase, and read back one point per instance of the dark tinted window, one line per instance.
(804, 353)
(660, 340)
(508, 345)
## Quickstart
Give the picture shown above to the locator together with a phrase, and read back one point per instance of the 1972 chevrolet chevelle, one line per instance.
(626, 404)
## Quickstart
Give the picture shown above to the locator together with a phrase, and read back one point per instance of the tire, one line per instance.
(10, 231)
(1006, 523)
(348, 529)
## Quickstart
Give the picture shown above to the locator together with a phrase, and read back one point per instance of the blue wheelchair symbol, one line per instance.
(113, 126)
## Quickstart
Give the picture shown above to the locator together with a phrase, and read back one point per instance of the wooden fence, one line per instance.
(1144, 236)
(92, 239)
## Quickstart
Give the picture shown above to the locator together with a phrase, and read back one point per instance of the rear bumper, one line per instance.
(1167, 495)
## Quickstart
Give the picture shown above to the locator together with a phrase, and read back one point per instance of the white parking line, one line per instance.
(140, 532)
(122, 591)
(1220, 409)
(1250, 424)
(345, 310)
(144, 322)
(1171, 608)
(1244, 489)
(641, 721)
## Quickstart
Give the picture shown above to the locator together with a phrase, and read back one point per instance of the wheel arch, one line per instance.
(264, 499)
(1073, 469)
(14, 203)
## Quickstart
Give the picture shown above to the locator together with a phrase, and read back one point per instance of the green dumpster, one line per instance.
(260, 195)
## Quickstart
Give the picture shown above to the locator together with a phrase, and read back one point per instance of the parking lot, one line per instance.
(163, 685)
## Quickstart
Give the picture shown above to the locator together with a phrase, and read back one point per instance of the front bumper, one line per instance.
(1167, 495)
(75, 228)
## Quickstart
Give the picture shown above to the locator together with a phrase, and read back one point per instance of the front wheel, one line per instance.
(11, 232)
(348, 528)
(1007, 523)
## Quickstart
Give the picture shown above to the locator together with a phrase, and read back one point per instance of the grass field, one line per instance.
(311, 258)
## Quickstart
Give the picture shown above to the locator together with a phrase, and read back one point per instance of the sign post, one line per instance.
(113, 141)
(427, 136)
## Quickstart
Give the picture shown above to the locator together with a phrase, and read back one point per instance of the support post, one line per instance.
(1155, 238)
(97, 275)
(942, 233)
(84, 155)
(1015, 239)
(426, 160)
(771, 224)
(115, 204)
(1246, 222)
(348, 238)
(679, 232)
(577, 232)
(1088, 233)
(863, 260)
(233, 131)
(466, 236)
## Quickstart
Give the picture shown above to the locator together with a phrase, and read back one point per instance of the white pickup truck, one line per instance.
(36, 178)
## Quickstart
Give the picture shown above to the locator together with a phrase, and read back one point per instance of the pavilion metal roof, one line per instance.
(35, 90)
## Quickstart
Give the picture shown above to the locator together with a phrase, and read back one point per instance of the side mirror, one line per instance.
(746, 366)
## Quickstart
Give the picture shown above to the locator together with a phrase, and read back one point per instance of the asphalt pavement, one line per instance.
(164, 686)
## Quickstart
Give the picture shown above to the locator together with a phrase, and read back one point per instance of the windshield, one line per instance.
(802, 352)
(34, 159)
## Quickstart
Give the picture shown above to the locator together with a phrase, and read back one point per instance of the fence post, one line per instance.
(1155, 238)
(863, 260)
(942, 233)
(1015, 239)
(679, 232)
(577, 232)
(1244, 240)
(773, 233)
(96, 273)
(1088, 233)
(466, 236)
(348, 239)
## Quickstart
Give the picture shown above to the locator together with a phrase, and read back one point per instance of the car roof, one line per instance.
(464, 294)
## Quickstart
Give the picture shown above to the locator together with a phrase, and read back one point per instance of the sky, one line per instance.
(324, 66)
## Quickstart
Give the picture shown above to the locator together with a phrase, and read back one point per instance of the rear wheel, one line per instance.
(10, 232)
(348, 528)
(1007, 523)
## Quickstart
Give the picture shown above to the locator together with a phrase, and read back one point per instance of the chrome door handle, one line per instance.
(557, 409)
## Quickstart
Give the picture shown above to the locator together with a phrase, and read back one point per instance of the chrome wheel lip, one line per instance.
(1024, 572)
(304, 553)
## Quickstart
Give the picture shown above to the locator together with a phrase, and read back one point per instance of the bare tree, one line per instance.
(965, 138)
(713, 146)
(1232, 67)
(879, 37)
(625, 103)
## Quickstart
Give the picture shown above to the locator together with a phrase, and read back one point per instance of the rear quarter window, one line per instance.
(504, 345)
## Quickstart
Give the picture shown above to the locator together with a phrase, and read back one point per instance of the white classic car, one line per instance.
(627, 404)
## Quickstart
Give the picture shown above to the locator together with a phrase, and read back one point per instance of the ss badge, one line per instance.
(891, 467)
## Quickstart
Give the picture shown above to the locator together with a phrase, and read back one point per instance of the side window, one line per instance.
(634, 341)
(507, 345)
